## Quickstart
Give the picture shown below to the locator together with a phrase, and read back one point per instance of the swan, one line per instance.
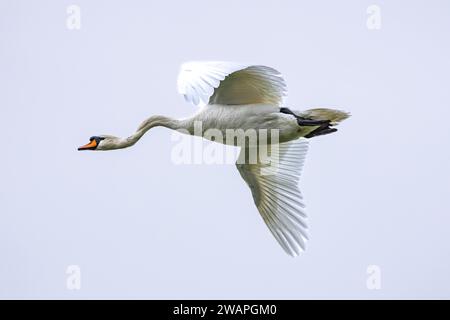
(249, 97)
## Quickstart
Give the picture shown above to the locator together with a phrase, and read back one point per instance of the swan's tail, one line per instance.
(330, 116)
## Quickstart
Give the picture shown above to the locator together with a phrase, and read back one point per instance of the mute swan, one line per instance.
(236, 96)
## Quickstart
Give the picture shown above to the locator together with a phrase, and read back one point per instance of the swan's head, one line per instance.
(102, 143)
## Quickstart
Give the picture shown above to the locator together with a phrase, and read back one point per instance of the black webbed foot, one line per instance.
(324, 126)
(306, 122)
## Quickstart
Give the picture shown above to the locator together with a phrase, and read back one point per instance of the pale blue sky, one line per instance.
(139, 226)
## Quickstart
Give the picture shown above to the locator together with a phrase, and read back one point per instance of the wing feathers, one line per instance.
(277, 196)
(230, 83)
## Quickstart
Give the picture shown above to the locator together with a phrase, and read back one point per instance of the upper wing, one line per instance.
(276, 194)
(230, 83)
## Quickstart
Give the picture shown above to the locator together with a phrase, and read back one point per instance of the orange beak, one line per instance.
(90, 146)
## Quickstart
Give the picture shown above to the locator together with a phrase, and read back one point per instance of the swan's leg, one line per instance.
(323, 125)
(303, 121)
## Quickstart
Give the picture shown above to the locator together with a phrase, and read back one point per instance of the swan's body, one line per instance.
(246, 117)
(249, 98)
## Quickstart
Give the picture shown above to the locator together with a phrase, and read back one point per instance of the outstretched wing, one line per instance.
(230, 83)
(274, 187)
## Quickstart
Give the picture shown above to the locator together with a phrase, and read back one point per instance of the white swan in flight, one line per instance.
(249, 97)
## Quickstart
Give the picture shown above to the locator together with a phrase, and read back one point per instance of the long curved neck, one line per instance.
(153, 121)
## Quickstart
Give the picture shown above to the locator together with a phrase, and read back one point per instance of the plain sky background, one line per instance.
(139, 226)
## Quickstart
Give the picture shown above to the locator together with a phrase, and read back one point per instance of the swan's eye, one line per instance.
(96, 138)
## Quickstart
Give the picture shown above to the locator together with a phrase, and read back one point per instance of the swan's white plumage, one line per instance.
(247, 97)
(276, 194)
(228, 83)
